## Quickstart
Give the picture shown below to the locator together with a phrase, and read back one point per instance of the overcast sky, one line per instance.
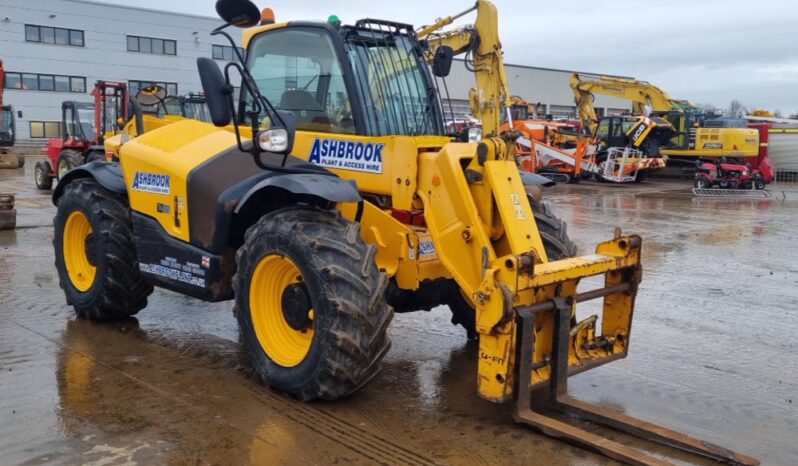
(706, 51)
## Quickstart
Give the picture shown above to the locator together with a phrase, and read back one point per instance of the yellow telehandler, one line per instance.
(330, 197)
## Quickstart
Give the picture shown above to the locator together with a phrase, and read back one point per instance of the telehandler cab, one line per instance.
(332, 198)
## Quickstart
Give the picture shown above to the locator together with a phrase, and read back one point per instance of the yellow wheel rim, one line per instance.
(81, 272)
(284, 344)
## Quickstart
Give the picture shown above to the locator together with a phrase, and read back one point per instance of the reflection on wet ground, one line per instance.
(713, 355)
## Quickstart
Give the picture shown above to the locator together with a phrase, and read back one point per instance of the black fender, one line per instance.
(243, 203)
(327, 187)
(107, 174)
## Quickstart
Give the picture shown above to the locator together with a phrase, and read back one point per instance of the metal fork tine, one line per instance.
(562, 401)
(552, 427)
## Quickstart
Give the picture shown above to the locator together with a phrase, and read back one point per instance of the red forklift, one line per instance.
(84, 127)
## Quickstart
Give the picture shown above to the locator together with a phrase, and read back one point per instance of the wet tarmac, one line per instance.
(713, 354)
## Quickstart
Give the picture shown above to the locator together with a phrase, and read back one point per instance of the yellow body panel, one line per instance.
(172, 151)
(731, 142)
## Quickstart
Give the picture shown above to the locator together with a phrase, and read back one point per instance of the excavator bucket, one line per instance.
(574, 347)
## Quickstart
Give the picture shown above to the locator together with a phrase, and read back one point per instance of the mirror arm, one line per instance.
(260, 104)
(231, 103)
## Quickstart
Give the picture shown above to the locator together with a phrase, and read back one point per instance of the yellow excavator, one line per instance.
(693, 138)
(331, 197)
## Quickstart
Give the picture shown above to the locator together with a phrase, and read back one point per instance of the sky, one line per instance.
(705, 51)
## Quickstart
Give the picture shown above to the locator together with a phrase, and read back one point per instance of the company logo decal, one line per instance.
(347, 155)
(713, 145)
(152, 183)
(426, 249)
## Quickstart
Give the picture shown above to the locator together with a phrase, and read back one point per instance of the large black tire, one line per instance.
(67, 160)
(118, 290)
(553, 232)
(41, 175)
(343, 290)
(95, 155)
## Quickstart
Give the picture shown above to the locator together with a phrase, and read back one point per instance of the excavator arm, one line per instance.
(481, 45)
(2, 84)
(640, 93)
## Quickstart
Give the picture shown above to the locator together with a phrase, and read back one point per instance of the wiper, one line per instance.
(306, 86)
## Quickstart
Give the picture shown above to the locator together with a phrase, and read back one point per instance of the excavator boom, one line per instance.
(491, 97)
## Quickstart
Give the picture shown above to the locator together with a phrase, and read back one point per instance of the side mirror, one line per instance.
(442, 63)
(19, 113)
(279, 139)
(216, 91)
(241, 13)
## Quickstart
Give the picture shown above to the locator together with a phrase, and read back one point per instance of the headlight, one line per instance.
(273, 140)
(474, 134)
(745, 172)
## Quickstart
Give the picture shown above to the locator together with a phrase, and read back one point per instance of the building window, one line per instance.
(45, 129)
(225, 52)
(50, 35)
(45, 82)
(151, 45)
(135, 86)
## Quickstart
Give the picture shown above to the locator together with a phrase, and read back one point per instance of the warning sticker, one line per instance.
(517, 206)
(170, 268)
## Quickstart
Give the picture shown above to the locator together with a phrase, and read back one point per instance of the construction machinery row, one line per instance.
(8, 128)
(93, 131)
(323, 206)
(623, 148)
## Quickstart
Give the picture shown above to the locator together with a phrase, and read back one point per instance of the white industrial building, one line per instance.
(54, 51)
(548, 87)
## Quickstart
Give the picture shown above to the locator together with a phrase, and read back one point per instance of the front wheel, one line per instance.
(701, 183)
(41, 174)
(310, 304)
(67, 160)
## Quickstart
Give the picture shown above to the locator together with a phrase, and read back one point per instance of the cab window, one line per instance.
(603, 129)
(298, 70)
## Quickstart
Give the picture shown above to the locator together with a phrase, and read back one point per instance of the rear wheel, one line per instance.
(95, 255)
(41, 174)
(759, 184)
(67, 160)
(310, 304)
(556, 242)
(95, 155)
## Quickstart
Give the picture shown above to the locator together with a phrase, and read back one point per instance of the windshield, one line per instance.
(297, 69)
(393, 84)
(6, 119)
(519, 112)
(197, 110)
(85, 118)
(193, 107)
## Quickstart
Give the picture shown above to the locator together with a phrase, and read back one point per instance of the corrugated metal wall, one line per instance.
(548, 87)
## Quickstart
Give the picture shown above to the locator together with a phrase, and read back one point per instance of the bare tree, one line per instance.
(737, 109)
